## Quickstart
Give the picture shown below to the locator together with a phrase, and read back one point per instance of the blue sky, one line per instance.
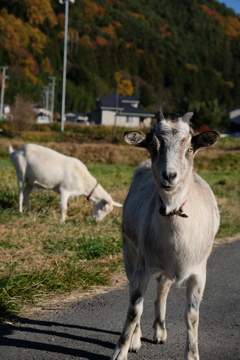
(233, 4)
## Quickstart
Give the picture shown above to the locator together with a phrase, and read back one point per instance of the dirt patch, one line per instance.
(89, 153)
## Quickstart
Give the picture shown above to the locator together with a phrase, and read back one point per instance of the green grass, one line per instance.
(224, 162)
(41, 257)
(19, 288)
(83, 247)
(114, 177)
(225, 185)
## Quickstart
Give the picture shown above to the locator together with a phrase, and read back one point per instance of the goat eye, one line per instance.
(190, 149)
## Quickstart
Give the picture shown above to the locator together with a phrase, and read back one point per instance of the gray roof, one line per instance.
(110, 100)
(74, 113)
(131, 110)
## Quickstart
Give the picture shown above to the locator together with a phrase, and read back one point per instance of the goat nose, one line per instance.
(169, 176)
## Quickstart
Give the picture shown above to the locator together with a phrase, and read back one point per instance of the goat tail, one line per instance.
(10, 149)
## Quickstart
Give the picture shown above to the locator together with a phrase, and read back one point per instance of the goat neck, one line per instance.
(97, 193)
(174, 204)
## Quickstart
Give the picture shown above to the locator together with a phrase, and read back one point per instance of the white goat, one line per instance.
(39, 166)
(159, 236)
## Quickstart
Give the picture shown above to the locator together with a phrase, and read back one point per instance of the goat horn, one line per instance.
(159, 116)
(186, 118)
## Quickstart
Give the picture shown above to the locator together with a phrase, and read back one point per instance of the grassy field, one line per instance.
(41, 258)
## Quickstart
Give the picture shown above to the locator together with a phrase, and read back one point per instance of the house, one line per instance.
(43, 115)
(6, 113)
(234, 115)
(42, 118)
(120, 110)
(76, 117)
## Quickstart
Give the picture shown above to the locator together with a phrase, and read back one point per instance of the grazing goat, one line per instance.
(170, 219)
(39, 166)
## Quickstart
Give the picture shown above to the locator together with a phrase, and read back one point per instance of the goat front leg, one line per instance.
(160, 332)
(195, 288)
(20, 195)
(130, 339)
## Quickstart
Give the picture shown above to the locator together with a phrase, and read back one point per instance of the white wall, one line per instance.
(43, 119)
(108, 118)
(147, 122)
(123, 121)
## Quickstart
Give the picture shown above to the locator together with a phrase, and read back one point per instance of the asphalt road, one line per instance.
(90, 328)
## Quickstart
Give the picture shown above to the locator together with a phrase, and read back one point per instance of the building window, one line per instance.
(130, 119)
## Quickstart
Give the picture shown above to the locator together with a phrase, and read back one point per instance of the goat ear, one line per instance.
(205, 139)
(136, 138)
(116, 204)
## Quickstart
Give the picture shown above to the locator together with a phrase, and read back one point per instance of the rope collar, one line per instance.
(91, 192)
(178, 212)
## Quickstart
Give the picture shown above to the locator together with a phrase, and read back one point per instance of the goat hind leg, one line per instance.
(160, 332)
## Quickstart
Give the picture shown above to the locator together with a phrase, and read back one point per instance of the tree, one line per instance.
(23, 115)
(124, 86)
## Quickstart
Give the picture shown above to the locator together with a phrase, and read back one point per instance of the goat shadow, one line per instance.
(11, 337)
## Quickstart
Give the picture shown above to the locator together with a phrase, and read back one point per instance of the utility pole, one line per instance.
(64, 61)
(77, 39)
(4, 77)
(116, 112)
(53, 78)
(46, 93)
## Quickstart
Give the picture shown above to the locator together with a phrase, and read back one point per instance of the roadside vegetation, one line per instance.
(41, 257)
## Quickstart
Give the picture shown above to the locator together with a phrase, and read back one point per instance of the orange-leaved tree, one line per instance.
(124, 86)
(40, 10)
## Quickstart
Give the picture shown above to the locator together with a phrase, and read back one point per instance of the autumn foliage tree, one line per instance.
(124, 86)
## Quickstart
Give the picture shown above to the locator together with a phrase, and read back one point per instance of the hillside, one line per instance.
(181, 55)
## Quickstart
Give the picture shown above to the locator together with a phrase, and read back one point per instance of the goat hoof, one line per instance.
(192, 356)
(160, 336)
(135, 346)
(161, 342)
(120, 352)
